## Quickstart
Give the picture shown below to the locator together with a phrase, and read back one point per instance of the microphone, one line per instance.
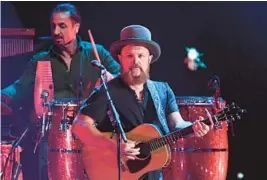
(97, 64)
(44, 95)
(214, 82)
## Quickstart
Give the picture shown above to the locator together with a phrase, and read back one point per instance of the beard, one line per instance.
(134, 80)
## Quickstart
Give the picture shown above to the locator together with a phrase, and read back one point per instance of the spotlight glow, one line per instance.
(240, 175)
(192, 53)
(193, 59)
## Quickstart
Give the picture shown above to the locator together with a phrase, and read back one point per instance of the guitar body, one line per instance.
(101, 164)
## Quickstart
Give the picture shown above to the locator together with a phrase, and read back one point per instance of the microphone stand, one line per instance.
(115, 120)
(44, 96)
(45, 119)
(217, 93)
(214, 83)
(14, 146)
(216, 96)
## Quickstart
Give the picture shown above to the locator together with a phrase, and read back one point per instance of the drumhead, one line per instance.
(195, 100)
(7, 142)
(68, 102)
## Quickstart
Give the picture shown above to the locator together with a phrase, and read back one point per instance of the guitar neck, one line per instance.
(174, 136)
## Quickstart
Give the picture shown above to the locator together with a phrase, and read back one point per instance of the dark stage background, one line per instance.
(232, 36)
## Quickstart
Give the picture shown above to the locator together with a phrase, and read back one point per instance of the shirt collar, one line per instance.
(126, 85)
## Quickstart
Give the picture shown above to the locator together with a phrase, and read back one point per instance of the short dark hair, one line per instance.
(68, 7)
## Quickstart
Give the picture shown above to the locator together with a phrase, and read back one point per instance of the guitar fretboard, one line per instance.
(174, 136)
(170, 138)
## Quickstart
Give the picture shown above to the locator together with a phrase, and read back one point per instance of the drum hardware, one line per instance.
(64, 150)
(44, 96)
(6, 132)
(49, 114)
(214, 83)
(66, 117)
(16, 168)
(64, 125)
(44, 121)
(17, 173)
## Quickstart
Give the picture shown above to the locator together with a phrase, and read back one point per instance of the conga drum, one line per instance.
(64, 150)
(199, 158)
(11, 166)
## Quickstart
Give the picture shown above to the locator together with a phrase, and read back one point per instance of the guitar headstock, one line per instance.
(230, 113)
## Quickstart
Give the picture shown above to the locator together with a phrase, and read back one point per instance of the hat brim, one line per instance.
(152, 46)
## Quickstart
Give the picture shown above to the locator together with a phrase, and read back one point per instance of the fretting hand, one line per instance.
(200, 128)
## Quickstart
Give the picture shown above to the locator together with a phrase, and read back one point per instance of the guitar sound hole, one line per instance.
(144, 159)
(144, 150)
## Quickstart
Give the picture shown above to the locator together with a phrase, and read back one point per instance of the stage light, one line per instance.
(240, 175)
(192, 60)
(192, 53)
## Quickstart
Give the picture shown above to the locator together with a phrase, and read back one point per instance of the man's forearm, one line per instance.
(9, 93)
(85, 130)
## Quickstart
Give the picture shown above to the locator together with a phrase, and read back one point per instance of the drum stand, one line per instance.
(16, 167)
(45, 121)
(42, 140)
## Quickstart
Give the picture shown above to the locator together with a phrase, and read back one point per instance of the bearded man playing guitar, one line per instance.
(147, 110)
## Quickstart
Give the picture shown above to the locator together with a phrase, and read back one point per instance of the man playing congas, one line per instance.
(68, 67)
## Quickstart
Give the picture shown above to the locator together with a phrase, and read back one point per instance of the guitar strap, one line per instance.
(158, 105)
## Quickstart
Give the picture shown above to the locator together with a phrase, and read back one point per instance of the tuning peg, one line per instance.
(233, 103)
(232, 118)
(226, 108)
